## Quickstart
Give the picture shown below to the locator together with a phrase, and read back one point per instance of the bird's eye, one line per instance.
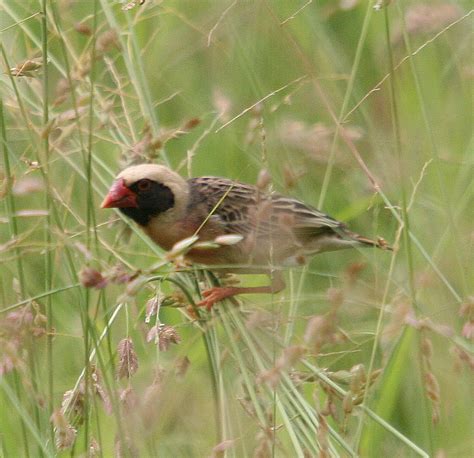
(144, 185)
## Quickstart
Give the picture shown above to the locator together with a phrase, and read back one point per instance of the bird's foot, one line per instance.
(216, 294)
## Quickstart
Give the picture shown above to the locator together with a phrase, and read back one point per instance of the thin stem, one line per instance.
(345, 103)
(48, 260)
(13, 226)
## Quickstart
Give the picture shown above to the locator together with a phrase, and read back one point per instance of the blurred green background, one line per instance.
(363, 112)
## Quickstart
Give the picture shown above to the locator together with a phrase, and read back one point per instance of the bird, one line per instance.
(272, 230)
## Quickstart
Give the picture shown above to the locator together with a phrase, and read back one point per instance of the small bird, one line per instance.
(274, 230)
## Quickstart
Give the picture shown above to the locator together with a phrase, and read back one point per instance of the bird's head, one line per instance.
(145, 191)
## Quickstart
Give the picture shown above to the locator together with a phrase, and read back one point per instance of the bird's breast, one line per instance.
(167, 234)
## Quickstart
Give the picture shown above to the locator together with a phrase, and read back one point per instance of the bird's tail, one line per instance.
(379, 243)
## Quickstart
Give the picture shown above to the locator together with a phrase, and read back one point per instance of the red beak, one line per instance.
(120, 196)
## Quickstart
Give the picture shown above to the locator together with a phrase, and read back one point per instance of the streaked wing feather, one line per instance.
(236, 205)
(305, 216)
(225, 200)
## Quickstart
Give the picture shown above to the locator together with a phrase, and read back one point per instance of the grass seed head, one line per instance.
(107, 41)
(264, 446)
(130, 5)
(219, 450)
(28, 68)
(380, 4)
(167, 335)
(128, 399)
(92, 278)
(358, 378)
(94, 448)
(99, 390)
(260, 319)
(128, 361)
(151, 398)
(191, 124)
(290, 176)
(319, 331)
(222, 104)
(426, 347)
(119, 275)
(228, 239)
(271, 377)
(125, 448)
(353, 271)
(264, 179)
(335, 297)
(27, 185)
(181, 366)
(152, 334)
(83, 29)
(468, 330)
(153, 305)
(466, 310)
(462, 357)
(64, 433)
(73, 401)
(290, 357)
(347, 403)
(10, 357)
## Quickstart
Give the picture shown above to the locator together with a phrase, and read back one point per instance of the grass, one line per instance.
(366, 114)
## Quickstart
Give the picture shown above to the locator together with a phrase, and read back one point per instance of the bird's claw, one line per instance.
(216, 294)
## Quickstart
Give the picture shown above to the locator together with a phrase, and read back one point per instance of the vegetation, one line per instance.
(362, 109)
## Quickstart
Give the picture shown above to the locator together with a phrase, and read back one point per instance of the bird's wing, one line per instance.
(224, 201)
(243, 209)
(304, 215)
